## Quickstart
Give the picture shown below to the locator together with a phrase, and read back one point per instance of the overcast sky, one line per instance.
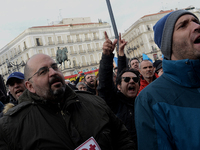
(18, 15)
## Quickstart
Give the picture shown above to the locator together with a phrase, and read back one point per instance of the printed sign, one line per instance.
(90, 144)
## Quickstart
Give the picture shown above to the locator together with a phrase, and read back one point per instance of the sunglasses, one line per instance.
(127, 79)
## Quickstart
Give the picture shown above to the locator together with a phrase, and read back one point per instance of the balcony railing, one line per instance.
(51, 43)
(90, 50)
(87, 39)
(69, 41)
(60, 42)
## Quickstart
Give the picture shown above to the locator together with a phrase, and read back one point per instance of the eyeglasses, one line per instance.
(44, 70)
(127, 79)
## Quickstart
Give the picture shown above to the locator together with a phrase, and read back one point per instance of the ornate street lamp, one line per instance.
(16, 65)
(129, 50)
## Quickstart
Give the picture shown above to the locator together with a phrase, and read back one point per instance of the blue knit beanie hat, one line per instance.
(164, 29)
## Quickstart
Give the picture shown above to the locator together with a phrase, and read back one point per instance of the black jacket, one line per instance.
(36, 124)
(122, 106)
(89, 89)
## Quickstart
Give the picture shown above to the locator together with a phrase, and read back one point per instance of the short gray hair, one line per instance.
(80, 83)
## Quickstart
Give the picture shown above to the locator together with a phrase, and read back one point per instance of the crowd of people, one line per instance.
(140, 105)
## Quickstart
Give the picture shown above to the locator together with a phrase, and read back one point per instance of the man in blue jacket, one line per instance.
(167, 112)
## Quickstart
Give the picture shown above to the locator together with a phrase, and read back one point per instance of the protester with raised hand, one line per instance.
(121, 99)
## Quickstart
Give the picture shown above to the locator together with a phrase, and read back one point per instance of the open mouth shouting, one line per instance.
(18, 92)
(197, 40)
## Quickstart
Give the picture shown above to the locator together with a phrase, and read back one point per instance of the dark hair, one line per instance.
(86, 75)
(115, 68)
(134, 58)
(119, 79)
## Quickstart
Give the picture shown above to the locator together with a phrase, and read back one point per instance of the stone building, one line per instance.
(82, 38)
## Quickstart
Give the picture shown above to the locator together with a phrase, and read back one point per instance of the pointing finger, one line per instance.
(106, 36)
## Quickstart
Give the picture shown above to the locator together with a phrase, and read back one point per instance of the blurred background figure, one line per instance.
(68, 82)
(89, 81)
(16, 86)
(115, 71)
(81, 86)
(134, 63)
(158, 67)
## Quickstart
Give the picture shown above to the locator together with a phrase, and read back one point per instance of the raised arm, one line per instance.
(121, 55)
(106, 86)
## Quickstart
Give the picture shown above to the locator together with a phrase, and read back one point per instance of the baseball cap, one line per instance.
(17, 75)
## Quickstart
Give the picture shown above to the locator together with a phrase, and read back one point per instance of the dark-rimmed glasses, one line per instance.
(127, 79)
(45, 70)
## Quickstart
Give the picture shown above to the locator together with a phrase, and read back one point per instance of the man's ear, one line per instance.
(29, 86)
(119, 87)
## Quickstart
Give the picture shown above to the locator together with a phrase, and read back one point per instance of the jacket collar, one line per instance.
(124, 99)
(28, 96)
(184, 72)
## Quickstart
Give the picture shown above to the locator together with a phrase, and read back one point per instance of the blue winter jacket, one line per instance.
(167, 111)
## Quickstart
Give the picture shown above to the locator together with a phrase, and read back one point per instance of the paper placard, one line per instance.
(90, 144)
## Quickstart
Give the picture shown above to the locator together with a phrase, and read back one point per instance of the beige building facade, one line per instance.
(140, 36)
(82, 38)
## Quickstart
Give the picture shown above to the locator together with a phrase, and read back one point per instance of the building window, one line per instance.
(69, 39)
(60, 40)
(92, 59)
(25, 47)
(89, 47)
(53, 52)
(38, 42)
(155, 56)
(74, 62)
(50, 41)
(40, 51)
(148, 28)
(84, 61)
(78, 39)
(71, 49)
(97, 46)
(19, 48)
(95, 35)
(11, 54)
(27, 56)
(86, 37)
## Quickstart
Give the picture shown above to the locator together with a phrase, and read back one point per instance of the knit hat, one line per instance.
(164, 29)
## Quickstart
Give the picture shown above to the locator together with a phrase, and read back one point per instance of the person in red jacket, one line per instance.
(147, 74)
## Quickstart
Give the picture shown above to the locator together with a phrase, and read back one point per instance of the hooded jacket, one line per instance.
(37, 124)
(167, 111)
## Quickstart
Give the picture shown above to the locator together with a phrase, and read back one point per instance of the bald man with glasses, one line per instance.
(121, 97)
(50, 115)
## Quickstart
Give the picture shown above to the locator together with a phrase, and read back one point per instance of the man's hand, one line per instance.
(108, 45)
(122, 44)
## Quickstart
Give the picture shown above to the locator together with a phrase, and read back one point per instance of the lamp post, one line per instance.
(129, 50)
(113, 22)
(16, 65)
